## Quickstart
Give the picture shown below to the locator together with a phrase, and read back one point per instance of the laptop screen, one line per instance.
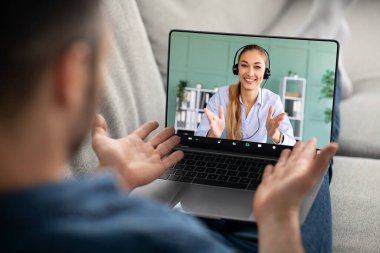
(250, 91)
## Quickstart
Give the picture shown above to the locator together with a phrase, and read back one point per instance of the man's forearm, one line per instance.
(280, 235)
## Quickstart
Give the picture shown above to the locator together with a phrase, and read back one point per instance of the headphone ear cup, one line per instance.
(235, 70)
(266, 73)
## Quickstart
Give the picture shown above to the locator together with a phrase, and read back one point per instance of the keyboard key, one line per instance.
(242, 174)
(191, 174)
(200, 163)
(200, 169)
(189, 167)
(212, 176)
(201, 175)
(253, 175)
(221, 166)
(233, 179)
(190, 162)
(221, 172)
(232, 173)
(210, 164)
(232, 167)
(244, 180)
(223, 178)
(243, 168)
(210, 170)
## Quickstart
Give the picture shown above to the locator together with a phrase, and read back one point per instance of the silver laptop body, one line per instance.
(186, 49)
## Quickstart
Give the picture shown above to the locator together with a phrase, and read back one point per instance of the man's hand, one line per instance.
(283, 187)
(136, 162)
(273, 124)
(217, 124)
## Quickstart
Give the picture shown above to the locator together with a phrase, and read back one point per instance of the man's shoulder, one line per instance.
(95, 214)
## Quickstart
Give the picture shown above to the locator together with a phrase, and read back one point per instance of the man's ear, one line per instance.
(71, 74)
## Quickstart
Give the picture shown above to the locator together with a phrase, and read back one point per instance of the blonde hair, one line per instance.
(233, 119)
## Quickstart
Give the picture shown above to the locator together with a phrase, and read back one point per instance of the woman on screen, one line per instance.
(244, 111)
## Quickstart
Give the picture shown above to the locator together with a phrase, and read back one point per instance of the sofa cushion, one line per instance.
(134, 91)
(355, 200)
(360, 123)
(239, 16)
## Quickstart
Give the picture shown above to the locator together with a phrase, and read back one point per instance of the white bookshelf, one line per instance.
(292, 92)
(189, 113)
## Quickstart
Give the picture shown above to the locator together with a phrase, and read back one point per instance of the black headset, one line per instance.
(235, 68)
(235, 71)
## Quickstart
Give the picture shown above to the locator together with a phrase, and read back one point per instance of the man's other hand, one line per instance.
(137, 162)
(285, 185)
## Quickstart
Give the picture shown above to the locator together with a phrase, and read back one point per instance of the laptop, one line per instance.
(227, 149)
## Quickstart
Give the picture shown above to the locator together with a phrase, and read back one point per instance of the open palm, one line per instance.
(217, 123)
(137, 162)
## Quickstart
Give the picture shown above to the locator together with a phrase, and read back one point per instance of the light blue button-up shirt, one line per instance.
(254, 123)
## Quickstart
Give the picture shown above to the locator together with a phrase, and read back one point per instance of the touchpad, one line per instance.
(216, 202)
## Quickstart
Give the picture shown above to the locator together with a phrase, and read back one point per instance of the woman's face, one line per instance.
(251, 69)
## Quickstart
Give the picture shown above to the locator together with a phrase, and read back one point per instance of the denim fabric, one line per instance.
(316, 230)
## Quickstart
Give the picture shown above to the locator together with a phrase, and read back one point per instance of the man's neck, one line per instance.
(28, 158)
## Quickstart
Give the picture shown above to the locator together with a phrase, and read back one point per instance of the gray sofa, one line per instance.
(135, 89)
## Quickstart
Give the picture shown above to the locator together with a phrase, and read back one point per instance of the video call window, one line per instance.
(258, 89)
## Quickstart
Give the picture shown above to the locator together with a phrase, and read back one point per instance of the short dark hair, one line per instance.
(33, 35)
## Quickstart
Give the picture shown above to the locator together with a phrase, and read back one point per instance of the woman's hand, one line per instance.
(217, 124)
(136, 162)
(273, 124)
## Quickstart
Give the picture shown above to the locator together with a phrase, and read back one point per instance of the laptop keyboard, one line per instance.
(218, 170)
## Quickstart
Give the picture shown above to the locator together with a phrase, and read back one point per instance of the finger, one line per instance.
(298, 147)
(270, 112)
(221, 113)
(309, 150)
(145, 129)
(320, 164)
(168, 145)
(162, 136)
(283, 158)
(322, 160)
(208, 115)
(280, 117)
(100, 126)
(172, 159)
(267, 172)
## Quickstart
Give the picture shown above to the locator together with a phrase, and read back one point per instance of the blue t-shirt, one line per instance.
(94, 215)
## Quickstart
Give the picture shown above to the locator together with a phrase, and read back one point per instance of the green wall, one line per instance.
(208, 59)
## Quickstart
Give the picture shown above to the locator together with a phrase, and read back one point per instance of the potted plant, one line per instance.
(180, 92)
(327, 91)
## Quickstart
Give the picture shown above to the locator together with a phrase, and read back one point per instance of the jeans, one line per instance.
(316, 230)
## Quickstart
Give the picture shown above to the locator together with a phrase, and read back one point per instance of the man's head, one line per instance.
(50, 56)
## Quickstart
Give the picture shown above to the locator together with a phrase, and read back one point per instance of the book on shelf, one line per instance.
(189, 114)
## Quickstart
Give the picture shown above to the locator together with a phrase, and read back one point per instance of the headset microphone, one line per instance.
(235, 68)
